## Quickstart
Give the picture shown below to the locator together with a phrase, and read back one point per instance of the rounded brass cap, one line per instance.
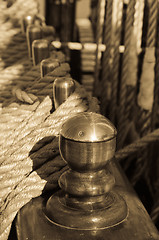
(48, 65)
(87, 141)
(62, 88)
(88, 127)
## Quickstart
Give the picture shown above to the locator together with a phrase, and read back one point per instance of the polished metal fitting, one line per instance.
(90, 138)
(40, 50)
(26, 21)
(33, 32)
(48, 65)
(62, 88)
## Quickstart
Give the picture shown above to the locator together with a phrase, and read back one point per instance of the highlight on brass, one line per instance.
(26, 21)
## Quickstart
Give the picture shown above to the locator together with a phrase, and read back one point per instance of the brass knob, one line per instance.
(62, 88)
(87, 200)
(33, 32)
(48, 65)
(40, 50)
(26, 21)
(88, 141)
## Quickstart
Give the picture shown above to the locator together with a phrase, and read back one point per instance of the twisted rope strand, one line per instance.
(124, 74)
(106, 57)
(137, 145)
(98, 39)
(116, 61)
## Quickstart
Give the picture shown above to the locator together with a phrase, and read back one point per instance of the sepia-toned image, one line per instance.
(79, 119)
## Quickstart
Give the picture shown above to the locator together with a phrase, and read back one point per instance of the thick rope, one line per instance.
(133, 148)
(30, 179)
(30, 79)
(31, 82)
(26, 140)
(20, 182)
(47, 85)
(137, 145)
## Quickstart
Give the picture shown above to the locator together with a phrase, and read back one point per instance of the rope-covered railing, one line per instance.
(22, 138)
(30, 158)
(13, 46)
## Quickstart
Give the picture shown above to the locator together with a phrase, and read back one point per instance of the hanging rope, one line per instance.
(134, 50)
(145, 96)
(125, 67)
(116, 58)
(155, 207)
(98, 40)
(106, 68)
